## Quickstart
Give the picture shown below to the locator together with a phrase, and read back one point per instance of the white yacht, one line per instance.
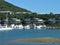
(27, 27)
(17, 26)
(5, 28)
(41, 26)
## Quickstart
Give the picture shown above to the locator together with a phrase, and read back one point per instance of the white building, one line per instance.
(39, 23)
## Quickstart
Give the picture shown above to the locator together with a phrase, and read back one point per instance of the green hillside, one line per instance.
(6, 6)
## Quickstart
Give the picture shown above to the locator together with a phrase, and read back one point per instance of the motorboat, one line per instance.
(5, 28)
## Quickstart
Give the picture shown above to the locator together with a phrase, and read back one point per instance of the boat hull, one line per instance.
(5, 29)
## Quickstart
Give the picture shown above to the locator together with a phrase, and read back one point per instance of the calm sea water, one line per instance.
(7, 36)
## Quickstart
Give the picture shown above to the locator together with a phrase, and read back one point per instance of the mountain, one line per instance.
(6, 6)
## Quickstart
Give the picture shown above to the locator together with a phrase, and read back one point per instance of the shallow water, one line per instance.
(7, 36)
(28, 43)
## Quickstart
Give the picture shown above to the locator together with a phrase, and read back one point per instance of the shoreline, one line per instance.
(50, 27)
(47, 39)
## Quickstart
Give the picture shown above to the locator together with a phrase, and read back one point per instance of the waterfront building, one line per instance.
(34, 23)
(52, 20)
(29, 23)
(39, 23)
(15, 21)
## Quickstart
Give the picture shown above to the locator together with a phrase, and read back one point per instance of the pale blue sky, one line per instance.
(39, 6)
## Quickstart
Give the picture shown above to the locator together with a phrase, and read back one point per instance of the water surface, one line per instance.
(7, 36)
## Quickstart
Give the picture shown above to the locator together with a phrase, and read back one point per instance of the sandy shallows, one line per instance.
(38, 40)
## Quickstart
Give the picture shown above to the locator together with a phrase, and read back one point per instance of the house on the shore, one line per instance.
(39, 23)
(16, 23)
(34, 23)
(27, 23)
(12, 22)
(54, 21)
(58, 21)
